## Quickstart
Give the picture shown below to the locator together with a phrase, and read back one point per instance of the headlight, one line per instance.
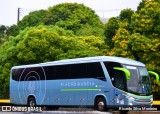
(132, 98)
(151, 99)
(129, 97)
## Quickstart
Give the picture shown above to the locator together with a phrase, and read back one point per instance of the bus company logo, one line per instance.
(31, 87)
(74, 84)
(6, 108)
(29, 82)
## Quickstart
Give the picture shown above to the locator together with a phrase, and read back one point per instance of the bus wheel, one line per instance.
(101, 104)
(31, 102)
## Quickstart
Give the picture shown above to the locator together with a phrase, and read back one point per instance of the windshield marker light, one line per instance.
(127, 73)
(131, 67)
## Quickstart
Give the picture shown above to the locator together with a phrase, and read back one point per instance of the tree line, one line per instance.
(72, 30)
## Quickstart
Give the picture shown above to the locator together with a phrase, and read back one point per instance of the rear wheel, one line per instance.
(101, 104)
(31, 102)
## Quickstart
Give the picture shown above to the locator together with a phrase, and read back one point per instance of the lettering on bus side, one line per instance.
(79, 84)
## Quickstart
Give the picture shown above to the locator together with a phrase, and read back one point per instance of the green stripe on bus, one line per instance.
(81, 89)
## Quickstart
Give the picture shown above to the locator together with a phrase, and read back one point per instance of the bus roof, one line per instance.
(87, 60)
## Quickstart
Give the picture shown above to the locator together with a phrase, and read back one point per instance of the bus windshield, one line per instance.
(139, 82)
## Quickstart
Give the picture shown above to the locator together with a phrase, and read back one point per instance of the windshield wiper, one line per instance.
(147, 84)
(138, 86)
(143, 86)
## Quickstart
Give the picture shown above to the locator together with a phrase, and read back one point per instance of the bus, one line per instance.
(102, 82)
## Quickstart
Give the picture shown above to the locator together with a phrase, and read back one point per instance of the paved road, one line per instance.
(58, 112)
(67, 111)
(83, 112)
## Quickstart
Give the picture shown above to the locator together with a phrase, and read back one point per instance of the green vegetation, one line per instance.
(137, 35)
(72, 30)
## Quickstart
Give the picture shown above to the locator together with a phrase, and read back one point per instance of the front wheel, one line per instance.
(101, 104)
(31, 102)
(123, 112)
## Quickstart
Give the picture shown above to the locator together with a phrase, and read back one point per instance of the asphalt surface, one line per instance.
(81, 110)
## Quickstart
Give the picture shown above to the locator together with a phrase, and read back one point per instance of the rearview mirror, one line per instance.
(155, 74)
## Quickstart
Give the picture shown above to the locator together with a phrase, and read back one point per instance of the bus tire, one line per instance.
(101, 104)
(31, 102)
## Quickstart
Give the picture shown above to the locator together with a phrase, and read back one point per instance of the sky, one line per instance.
(104, 8)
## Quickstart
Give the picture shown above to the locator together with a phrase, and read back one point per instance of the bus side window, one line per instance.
(50, 72)
(94, 70)
(77, 71)
(16, 74)
(62, 71)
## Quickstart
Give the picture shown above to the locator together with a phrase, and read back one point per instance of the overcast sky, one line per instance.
(104, 8)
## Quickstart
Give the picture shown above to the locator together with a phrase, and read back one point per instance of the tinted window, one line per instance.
(57, 72)
(28, 74)
(62, 72)
(78, 71)
(73, 71)
(16, 73)
(94, 70)
(50, 72)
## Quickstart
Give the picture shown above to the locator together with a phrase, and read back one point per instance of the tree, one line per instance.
(89, 30)
(34, 18)
(139, 38)
(42, 44)
(139, 46)
(141, 5)
(146, 21)
(73, 16)
(114, 23)
(2, 30)
(12, 30)
(126, 14)
(70, 16)
(110, 30)
(120, 41)
(55, 44)
(6, 31)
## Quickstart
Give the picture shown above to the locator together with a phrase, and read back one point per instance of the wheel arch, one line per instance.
(31, 96)
(100, 96)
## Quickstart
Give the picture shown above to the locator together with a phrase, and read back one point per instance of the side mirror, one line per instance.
(127, 73)
(155, 74)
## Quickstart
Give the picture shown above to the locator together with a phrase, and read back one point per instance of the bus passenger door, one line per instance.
(119, 81)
